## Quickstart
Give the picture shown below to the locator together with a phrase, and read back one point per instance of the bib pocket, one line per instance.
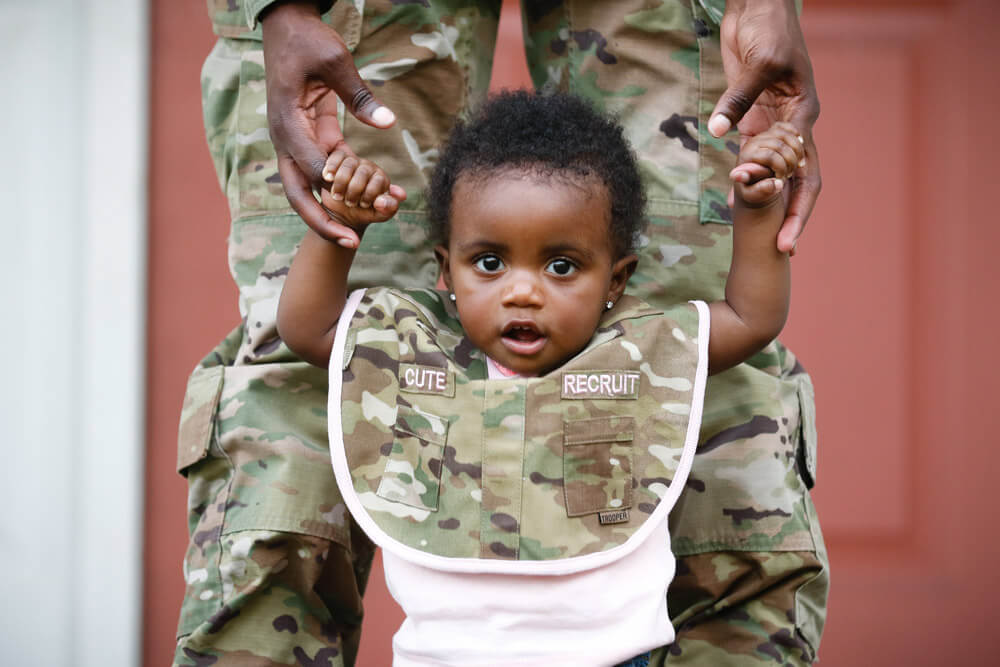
(597, 464)
(412, 474)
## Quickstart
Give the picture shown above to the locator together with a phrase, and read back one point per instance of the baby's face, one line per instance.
(531, 266)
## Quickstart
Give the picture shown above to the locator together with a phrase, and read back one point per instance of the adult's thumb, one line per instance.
(360, 100)
(736, 101)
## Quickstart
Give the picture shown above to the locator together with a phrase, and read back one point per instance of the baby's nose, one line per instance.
(522, 291)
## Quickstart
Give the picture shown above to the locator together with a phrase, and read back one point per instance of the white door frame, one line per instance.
(74, 124)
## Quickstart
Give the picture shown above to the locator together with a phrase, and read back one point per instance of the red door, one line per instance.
(893, 314)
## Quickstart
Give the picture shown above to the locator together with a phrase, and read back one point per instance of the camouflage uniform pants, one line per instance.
(275, 570)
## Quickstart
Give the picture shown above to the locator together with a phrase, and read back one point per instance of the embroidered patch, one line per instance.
(621, 385)
(614, 516)
(418, 379)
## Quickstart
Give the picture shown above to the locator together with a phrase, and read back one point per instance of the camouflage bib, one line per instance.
(561, 473)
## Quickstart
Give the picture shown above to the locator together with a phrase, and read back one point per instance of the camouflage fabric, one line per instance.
(752, 574)
(548, 468)
(274, 568)
(752, 578)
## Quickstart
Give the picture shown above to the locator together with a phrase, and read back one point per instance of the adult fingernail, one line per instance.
(801, 140)
(383, 116)
(363, 204)
(327, 176)
(346, 243)
(778, 185)
(337, 196)
(719, 125)
(802, 162)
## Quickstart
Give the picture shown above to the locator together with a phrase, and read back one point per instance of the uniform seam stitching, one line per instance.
(482, 479)
(520, 486)
(225, 506)
(701, 95)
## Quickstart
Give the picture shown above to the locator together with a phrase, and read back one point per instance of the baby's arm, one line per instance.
(759, 283)
(316, 288)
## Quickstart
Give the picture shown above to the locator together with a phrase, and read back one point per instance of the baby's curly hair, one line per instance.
(550, 136)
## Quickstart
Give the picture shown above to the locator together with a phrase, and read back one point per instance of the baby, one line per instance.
(516, 442)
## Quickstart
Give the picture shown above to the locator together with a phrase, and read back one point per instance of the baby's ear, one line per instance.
(621, 271)
(444, 268)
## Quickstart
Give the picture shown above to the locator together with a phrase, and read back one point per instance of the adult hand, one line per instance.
(308, 67)
(770, 79)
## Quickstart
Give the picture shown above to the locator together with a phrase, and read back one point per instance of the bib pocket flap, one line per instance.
(601, 429)
(597, 464)
(424, 425)
(412, 473)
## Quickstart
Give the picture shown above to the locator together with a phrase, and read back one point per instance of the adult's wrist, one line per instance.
(264, 9)
(739, 6)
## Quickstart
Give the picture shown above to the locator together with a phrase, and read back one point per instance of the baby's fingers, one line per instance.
(793, 145)
(749, 172)
(780, 148)
(761, 192)
(377, 184)
(339, 171)
(773, 153)
(386, 204)
(355, 187)
(397, 191)
(333, 162)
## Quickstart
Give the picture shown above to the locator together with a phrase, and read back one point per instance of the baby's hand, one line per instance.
(767, 160)
(359, 194)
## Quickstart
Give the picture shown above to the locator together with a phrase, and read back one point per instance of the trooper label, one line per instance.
(600, 384)
(426, 380)
(612, 516)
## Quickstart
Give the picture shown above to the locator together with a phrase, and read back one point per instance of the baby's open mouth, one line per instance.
(523, 338)
(521, 333)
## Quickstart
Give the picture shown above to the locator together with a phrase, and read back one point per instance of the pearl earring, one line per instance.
(609, 305)
(451, 295)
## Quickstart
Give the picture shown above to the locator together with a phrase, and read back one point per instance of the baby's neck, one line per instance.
(499, 372)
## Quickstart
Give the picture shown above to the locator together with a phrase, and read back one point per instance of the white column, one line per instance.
(72, 183)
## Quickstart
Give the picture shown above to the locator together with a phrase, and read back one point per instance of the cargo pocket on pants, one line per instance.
(597, 464)
(208, 477)
(806, 454)
(811, 597)
(201, 401)
(810, 607)
(412, 474)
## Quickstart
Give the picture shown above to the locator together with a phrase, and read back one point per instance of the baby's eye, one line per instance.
(561, 267)
(489, 263)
